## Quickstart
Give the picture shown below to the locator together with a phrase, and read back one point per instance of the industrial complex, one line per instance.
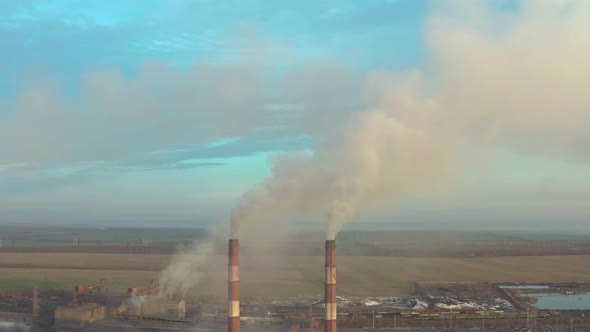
(436, 306)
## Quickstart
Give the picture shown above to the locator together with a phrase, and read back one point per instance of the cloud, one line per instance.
(100, 89)
(495, 76)
(115, 116)
(18, 182)
(116, 122)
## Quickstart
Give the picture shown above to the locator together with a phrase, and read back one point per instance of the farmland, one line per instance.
(369, 263)
(291, 275)
(94, 239)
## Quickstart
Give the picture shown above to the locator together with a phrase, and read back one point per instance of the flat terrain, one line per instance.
(97, 239)
(273, 275)
(128, 240)
(370, 263)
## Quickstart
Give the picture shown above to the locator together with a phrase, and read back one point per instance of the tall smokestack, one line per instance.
(233, 314)
(330, 297)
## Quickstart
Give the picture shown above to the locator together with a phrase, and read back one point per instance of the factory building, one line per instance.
(159, 308)
(79, 315)
(139, 308)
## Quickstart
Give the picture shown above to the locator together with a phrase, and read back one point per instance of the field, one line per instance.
(291, 275)
(369, 263)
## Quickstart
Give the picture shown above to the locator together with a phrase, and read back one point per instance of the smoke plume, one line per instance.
(184, 271)
(493, 79)
(381, 155)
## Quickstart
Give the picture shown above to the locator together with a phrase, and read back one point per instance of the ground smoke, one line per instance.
(185, 269)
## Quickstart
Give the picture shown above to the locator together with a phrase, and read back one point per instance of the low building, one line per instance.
(159, 308)
(79, 315)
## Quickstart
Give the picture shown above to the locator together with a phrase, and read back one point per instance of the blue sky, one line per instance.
(149, 112)
(67, 38)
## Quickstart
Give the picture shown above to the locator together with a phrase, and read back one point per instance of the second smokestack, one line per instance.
(233, 314)
(330, 287)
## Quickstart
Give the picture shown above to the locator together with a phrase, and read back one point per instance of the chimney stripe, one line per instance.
(233, 289)
(330, 287)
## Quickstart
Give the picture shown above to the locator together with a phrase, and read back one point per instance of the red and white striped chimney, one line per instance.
(233, 314)
(330, 287)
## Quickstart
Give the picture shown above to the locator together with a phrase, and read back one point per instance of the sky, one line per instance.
(164, 113)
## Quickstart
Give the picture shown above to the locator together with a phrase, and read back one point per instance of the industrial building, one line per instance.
(500, 307)
(79, 315)
(159, 308)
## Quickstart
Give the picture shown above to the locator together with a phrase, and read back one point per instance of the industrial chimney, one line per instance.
(233, 314)
(330, 297)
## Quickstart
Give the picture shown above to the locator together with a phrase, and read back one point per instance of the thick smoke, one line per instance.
(185, 269)
(494, 78)
(382, 154)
